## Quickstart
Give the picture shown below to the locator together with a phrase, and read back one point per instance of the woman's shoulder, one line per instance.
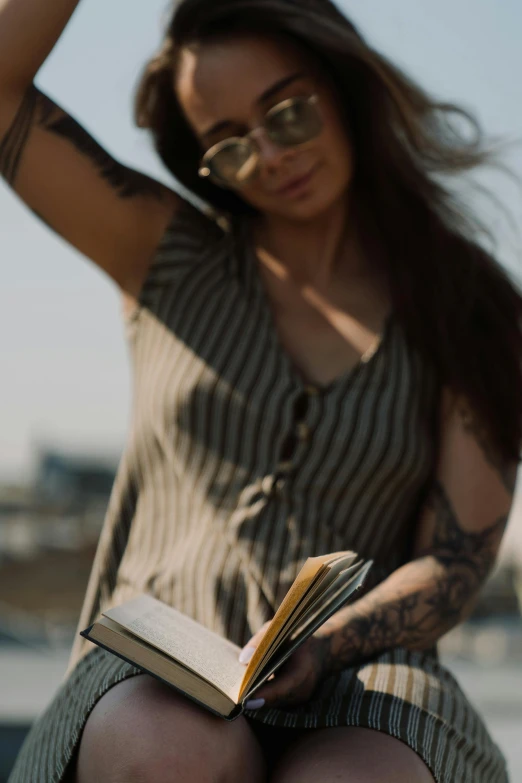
(195, 225)
(193, 234)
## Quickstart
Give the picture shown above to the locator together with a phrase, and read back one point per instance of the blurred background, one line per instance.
(65, 391)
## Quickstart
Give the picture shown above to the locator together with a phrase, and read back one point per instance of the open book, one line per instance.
(203, 665)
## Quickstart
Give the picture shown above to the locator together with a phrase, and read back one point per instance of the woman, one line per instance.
(327, 360)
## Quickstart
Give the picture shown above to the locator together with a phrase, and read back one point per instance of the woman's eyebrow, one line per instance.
(263, 98)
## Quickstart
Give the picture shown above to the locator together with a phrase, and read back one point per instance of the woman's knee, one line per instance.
(143, 731)
(351, 754)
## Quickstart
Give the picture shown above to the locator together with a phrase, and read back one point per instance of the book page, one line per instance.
(347, 592)
(304, 592)
(118, 640)
(339, 596)
(315, 601)
(211, 656)
(338, 571)
(311, 571)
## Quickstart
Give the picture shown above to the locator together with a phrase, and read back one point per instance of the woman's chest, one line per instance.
(325, 334)
(325, 343)
(217, 398)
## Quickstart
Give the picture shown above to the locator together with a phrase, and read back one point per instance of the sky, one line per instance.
(65, 373)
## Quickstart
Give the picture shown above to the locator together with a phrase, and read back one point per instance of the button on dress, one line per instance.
(236, 469)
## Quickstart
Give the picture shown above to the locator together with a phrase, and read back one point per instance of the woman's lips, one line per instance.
(297, 185)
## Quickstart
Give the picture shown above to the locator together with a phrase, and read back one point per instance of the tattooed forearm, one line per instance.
(37, 110)
(424, 599)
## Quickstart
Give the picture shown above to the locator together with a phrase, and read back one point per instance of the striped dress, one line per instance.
(235, 471)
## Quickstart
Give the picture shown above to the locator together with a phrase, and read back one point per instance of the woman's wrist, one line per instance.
(328, 646)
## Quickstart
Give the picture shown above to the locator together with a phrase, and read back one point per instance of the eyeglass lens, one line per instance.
(293, 124)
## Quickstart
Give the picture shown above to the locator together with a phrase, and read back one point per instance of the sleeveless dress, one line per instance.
(235, 471)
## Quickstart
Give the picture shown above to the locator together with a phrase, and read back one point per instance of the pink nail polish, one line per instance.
(246, 654)
(254, 704)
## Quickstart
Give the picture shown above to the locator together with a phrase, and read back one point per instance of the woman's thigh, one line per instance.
(350, 755)
(275, 741)
(142, 730)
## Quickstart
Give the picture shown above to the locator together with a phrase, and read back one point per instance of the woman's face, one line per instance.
(232, 85)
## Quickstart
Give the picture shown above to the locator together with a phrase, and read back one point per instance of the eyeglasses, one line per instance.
(234, 162)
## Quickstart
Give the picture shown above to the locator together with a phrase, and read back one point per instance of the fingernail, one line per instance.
(254, 704)
(246, 654)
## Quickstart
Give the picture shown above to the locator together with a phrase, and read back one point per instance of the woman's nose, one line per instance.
(270, 153)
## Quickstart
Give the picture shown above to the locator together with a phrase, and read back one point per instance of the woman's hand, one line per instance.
(297, 679)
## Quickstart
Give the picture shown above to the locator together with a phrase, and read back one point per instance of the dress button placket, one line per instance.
(300, 435)
(280, 485)
(267, 485)
(302, 430)
(285, 466)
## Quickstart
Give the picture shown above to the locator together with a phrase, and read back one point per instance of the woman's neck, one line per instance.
(315, 253)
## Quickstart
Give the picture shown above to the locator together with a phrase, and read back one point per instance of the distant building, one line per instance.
(62, 509)
(74, 479)
(48, 536)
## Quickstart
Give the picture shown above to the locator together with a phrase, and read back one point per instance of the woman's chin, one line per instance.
(310, 209)
(303, 207)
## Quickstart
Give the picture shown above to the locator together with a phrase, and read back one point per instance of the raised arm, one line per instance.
(458, 538)
(109, 212)
(29, 30)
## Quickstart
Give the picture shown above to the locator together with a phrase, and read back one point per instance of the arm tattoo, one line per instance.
(13, 144)
(473, 427)
(39, 110)
(454, 546)
(424, 599)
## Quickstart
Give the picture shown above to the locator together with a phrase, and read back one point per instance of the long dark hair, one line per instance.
(457, 305)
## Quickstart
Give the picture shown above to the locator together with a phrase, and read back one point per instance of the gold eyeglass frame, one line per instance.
(205, 171)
